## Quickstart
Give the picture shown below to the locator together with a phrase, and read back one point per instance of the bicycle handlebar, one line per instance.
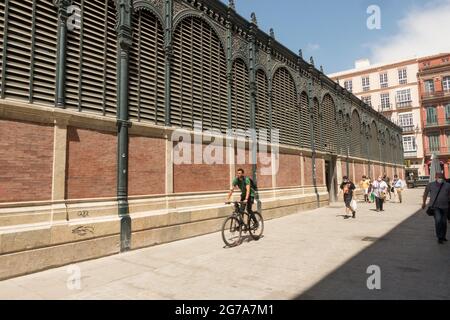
(236, 202)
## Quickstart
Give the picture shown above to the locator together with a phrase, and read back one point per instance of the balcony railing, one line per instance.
(405, 104)
(435, 94)
(437, 122)
(386, 107)
(409, 129)
(437, 150)
(410, 154)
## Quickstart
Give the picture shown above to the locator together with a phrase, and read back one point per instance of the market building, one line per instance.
(92, 92)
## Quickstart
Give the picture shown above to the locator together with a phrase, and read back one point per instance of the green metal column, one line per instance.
(229, 65)
(62, 6)
(367, 137)
(124, 41)
(311, 126)
(168, 50)
(253, 91)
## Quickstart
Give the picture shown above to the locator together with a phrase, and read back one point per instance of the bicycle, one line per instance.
(239, 222)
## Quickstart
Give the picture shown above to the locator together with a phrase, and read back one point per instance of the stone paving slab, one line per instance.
(309, 255)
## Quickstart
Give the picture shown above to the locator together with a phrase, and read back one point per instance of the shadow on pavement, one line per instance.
(413, 266)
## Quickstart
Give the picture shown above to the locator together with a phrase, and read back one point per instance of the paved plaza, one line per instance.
(310, 255)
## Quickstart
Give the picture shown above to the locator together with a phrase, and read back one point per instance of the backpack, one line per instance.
(252, 184)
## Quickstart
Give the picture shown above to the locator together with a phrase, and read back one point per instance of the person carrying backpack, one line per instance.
(248, 190)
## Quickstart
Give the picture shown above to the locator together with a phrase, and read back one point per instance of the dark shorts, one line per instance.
(348, 200)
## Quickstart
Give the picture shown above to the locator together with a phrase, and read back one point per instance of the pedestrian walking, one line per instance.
(389, 187)
(347, 187)
(379, 188)
(439, 192)
(365, 185)
(399, 186)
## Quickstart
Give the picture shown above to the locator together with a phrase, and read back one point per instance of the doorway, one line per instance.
(331, 178)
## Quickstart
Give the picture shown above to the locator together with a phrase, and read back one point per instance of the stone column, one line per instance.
(169, 165)
(59, 159)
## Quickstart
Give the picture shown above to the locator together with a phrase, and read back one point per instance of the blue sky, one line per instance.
(336, 33)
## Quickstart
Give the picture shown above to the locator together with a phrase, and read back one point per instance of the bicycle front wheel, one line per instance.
(231, 231)
(256, 226)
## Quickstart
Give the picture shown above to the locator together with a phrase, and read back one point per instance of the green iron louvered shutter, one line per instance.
(262, 102)
(317, 126)
(355, 145)
(91, 83)
(240, 96)
(18, 50)
(2, 40)
(31, 38)
(305, 120)
(146, 88)
(329, 125)
(45, 53)
(374, 150)
(285, 113)
(199, 84)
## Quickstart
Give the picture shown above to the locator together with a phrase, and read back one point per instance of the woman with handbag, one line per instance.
(439, 192)
(380, 189)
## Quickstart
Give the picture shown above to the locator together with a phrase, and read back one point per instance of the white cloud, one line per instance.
(423, 31)
(313, 47)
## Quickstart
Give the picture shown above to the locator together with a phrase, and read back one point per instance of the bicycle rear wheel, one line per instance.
(231, 231)
(257, 227)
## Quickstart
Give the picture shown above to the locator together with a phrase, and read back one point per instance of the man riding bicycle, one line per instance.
(247, 193)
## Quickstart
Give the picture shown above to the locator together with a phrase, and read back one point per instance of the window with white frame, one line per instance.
(409, 144)
(404, 98)
(366, 83)
(446, 83)
(348, 85)
(385, 101)
(367, 100)
(429, 86)
(406, 121)
(402, 76)
(384, 80)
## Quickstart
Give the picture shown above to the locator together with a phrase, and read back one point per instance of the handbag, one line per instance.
(354, 205)
(430, 210)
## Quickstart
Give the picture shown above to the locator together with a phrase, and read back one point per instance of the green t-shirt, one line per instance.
(242, 185)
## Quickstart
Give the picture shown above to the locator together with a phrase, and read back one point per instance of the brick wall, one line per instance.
(147, 163)
(289, 171)
(359, 170)
(308, 171)
(200, 177)
(320, 163)
(26, 161)
(91, 164)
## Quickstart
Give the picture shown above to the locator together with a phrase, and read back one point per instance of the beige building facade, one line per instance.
(391, 89)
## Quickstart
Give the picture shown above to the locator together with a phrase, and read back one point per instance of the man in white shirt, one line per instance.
(399, 185)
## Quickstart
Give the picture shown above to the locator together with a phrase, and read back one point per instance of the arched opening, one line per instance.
(329, 122)
(262, 102)
(305, 121)
(30, 68)
(199, 77)
(317, 128)
(240, 106)
(91, 77)
(356, 141)
(285, 111)
(146, 86)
